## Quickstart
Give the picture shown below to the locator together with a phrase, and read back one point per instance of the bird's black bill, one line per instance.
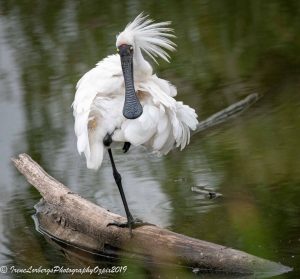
(132, 107)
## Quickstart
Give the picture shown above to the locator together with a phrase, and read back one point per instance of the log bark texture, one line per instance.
(72, 219)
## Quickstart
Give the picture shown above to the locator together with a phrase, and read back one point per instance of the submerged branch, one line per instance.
(227, 113)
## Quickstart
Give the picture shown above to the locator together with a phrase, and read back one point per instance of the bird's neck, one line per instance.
(142, 68)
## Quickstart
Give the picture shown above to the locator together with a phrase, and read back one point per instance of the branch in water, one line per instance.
(227, 113)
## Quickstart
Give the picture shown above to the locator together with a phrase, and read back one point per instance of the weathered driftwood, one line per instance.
(68, 217)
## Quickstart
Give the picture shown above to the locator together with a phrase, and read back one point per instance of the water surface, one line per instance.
(226, 50)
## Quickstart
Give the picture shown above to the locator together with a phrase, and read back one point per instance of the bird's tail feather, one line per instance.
(95, 159)
(187, 120)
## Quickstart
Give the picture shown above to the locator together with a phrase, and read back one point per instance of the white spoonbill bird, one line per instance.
(122, 100)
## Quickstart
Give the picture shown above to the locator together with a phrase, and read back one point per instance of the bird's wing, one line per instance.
(104, 117)
(161, 91)
(105, 79)
(167, 87)
(102, 82)
(140, 130)
(164, 123)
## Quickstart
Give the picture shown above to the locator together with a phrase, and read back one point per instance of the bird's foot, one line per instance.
(131, 224)
(126, 146)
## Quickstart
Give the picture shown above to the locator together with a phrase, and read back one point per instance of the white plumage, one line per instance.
(100, 95)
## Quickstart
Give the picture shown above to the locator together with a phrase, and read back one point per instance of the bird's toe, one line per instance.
(126, 146)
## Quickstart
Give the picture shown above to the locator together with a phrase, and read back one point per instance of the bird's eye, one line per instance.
(131, 48)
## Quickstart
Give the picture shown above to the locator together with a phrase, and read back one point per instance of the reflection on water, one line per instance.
(226, 50)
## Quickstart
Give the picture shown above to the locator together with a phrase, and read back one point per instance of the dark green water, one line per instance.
(226, 50)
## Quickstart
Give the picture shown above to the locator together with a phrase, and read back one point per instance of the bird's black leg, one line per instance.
(118, 180)
(126, 146)
(131, 223)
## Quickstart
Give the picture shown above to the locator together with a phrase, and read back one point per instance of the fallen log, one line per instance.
(66, 216)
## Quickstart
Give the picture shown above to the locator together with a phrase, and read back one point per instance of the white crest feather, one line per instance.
(153, 38)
